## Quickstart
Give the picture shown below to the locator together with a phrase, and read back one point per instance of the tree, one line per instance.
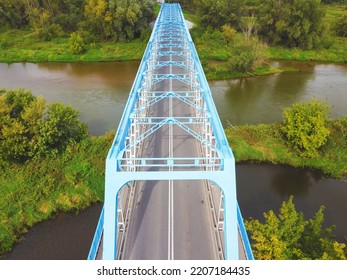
(13, 13)
(118, 20)
(292, 23)
(341, 27)
(29, 128)
(132, 17)
(216, 13)
(304, 126)
(288, 236)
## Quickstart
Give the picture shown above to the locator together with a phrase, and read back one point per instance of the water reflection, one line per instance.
(261, 188)
(262, 99)
(286, 182)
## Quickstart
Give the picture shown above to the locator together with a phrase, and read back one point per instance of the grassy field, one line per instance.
(336, 52)
(19, 45)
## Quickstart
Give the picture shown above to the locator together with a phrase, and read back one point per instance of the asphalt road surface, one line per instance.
(170, 219)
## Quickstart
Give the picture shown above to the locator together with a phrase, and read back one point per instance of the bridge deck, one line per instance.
(242, 251)
(170, 125)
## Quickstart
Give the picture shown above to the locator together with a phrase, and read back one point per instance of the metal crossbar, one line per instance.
(170, 47)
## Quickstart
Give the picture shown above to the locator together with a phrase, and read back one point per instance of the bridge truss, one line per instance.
(170, 70)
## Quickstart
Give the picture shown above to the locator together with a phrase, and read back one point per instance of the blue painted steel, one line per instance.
(97, 237)
(245, 240)
(118, 167)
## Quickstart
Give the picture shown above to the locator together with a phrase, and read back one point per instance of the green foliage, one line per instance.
(247, 56)
(334, 1)
(341, 27)
(287, 236)
(107, 19)
(119, 20)
(69, 182)
(216, 13)
(228, 33)
(42, 22)
(304, 126)
(265, 143)
(13, 13)
(292, 23)
(76, 43)
(29, 128)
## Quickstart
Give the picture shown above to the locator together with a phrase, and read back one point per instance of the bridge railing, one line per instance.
(158, 163)
(97, 237)
(124, 154)
(120, 143)
(245, 240)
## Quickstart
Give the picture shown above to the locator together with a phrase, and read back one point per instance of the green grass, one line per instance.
(21, 45)
(264, 143)
(333, 49)
(37, 190)
(333, 13)
(195, 19)
(335, 52)
(157, 7)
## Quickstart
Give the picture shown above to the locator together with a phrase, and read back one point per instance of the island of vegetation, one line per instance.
(50, 163)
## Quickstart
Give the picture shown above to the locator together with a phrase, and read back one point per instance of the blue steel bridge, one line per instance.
(170, 186)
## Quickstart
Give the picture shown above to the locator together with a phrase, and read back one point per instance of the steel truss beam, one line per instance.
(155, 97)
(170, 46)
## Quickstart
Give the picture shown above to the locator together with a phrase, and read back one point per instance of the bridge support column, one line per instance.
(112, 187)
(228, 184)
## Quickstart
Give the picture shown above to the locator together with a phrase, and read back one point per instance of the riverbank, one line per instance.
(75, 179)
(20, 45)
(39, 189)
(264, 143)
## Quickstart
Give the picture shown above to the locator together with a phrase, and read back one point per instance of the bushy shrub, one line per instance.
(288, 236)
(29, 128)
(228, 33)
(247, 56)
(47, 33)
(76, 43)
(304, 126)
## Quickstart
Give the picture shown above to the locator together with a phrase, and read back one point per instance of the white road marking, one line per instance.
(171, 206)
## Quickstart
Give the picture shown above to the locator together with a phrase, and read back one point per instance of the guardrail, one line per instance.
(245, 240)
(143, 163)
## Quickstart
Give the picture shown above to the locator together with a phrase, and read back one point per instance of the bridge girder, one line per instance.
(170, 46)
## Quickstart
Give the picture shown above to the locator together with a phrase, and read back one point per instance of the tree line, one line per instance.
(289, 23)
(97, 19)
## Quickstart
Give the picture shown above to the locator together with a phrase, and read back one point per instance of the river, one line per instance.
(100, 90)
